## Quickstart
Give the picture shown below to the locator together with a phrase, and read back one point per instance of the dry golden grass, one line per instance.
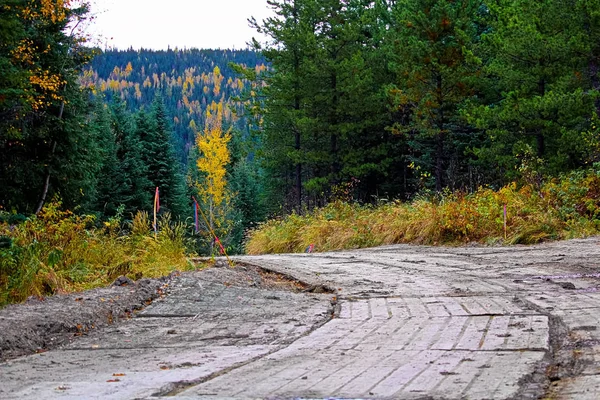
(563, 208)
(59, 252)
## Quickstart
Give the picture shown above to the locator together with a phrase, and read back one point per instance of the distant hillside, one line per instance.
(189, 81)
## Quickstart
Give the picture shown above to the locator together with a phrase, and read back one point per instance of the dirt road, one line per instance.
(397, 322)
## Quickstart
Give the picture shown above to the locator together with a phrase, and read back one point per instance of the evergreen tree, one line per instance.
(325, 113)
(435, 68)
(536, 108)
(131, 183)
(42, 109)
(108, 194)
(164, 171)
(292, 31)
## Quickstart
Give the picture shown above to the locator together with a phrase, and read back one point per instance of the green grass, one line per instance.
(563, 208)
(59, 252)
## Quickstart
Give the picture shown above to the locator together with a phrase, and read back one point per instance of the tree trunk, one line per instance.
(541, 143)
(439, 165)
(333, 121)
(47, 179)
(594, 71)
(441, 137)
(297, 99)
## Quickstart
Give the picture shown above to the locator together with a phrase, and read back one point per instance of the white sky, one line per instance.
(156, 24)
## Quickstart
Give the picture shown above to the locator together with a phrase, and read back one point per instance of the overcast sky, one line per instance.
(156, 24)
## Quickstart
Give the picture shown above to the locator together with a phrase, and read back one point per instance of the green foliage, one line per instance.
(562, 208)
(58, 251)
(325, 112)
(45, 145)
(435, 67)
(536, 95)
(163, 170)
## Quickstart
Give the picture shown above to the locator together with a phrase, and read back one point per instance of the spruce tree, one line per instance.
(132, 181)
(163, 170)
(107, 194)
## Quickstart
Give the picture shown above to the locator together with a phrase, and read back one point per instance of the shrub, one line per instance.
(58, 251)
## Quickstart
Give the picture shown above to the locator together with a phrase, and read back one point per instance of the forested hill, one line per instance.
(189, 80)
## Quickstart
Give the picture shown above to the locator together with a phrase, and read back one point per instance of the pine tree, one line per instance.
(292, 32)
(435, 68)
(536, 107)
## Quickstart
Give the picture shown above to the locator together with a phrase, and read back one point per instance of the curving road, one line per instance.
(398, 322)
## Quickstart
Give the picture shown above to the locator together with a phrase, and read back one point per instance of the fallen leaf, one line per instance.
(163, 367)
(118, 374)
(114, 380)
(63, 388)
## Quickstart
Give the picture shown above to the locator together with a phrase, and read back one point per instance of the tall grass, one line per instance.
(562, 208)
(58, 252)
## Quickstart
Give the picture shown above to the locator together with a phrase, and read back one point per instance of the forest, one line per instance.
(409, 96)
(357, 102)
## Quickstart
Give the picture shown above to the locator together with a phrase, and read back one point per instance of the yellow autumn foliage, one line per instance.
(214, 156)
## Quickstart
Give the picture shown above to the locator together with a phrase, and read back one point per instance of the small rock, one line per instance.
(567, 285)
(122, 281)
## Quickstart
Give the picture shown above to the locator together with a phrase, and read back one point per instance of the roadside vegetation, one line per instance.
(562, 208)
(59, 252)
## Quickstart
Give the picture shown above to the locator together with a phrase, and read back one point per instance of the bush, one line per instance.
(58, 251)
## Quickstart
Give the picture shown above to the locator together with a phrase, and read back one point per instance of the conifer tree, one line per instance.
(107, 194)
(164, 171)
(536, 106)
(42, 109)
(131, 182)
(212, 164)
(292, 32)
(435, 68)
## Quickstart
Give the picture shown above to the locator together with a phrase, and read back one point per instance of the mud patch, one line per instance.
(249, 275)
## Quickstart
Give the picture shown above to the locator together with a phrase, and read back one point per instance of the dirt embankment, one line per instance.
(39, 325)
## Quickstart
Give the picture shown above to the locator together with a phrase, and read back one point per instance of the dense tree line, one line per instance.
(199, 91)
(42, 111)
(189, 80)
(407, 95)
(103, 129)
(356, 99)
